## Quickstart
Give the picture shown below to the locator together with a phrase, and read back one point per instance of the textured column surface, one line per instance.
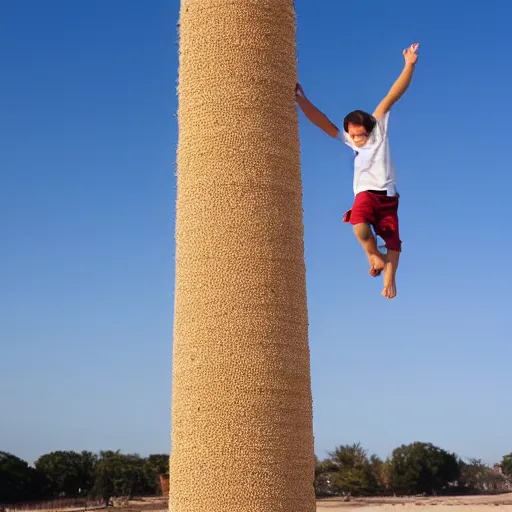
(242, 437)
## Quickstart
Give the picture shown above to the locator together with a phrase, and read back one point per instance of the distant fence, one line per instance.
(70, 504)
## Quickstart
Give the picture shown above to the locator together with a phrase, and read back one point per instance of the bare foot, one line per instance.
(376, 264)
(389, 291)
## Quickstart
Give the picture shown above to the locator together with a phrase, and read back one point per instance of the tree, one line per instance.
(156, 465)
(356, 474)
(18, 481)
(352, 475)
(380, 478)
(506, 464)
(476, 476)
(159, 462)
(323, 477)
(120, 474)
(89, 461)
(70, 473)
(242, 431)
(471, 474)
(422, 468)
(108, 481)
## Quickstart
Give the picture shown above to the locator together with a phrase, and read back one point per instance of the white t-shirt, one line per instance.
(373, 167)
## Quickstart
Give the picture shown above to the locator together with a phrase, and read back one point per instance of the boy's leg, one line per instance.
(392, 258)
(387, 229)
(364, 234)
(362, 216)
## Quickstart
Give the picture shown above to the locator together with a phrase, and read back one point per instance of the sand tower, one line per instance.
(242, 437)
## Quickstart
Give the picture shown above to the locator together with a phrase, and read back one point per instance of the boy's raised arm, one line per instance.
(314, 115)
(401, 84)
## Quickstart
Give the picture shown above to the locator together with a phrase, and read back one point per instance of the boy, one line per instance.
(376, 199)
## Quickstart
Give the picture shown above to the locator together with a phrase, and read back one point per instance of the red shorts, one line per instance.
(381, 212)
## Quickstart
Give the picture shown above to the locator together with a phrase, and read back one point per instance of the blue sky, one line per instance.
(87, 160)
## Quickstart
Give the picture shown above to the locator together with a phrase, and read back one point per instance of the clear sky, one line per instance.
(87, 195)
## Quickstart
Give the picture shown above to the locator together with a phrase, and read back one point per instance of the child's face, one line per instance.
(358, 134)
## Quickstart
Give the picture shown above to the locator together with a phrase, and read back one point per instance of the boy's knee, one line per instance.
(363, 231)
(394, 244)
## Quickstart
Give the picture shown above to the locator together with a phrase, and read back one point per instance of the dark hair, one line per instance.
(360, 118)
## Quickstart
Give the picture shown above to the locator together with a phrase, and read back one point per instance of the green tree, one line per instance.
(70, 473)
(118, 474)
(476, 476)
(422, 468)
(471, 474)
(89, 461)
(155, 466)
(506, 464)
(379, 475)
(323, 477)
(354, 475)
(18, 481)
(159, 462)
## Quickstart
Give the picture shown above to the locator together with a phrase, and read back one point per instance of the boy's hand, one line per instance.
(411, 53)
(402, 82)
(299, 92)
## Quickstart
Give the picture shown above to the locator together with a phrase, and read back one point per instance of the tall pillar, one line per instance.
(242, 438)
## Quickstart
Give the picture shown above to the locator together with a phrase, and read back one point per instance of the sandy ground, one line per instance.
(495, 503)
(498, 503)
